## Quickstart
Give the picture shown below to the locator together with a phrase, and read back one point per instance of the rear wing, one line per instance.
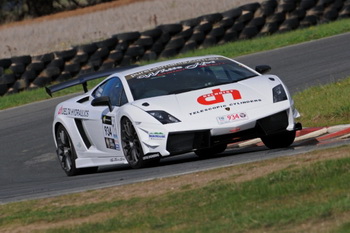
(84, 78)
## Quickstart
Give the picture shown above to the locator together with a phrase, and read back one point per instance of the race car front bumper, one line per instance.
(186, 141)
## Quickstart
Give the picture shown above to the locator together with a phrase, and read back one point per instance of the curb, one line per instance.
(317, 133)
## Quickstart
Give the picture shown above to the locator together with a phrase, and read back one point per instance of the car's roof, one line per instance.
(164, 63)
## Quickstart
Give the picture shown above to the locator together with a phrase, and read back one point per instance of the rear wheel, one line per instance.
(66, 152)
(208, 152)
(279, 140)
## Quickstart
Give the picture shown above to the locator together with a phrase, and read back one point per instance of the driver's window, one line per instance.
(114, 89)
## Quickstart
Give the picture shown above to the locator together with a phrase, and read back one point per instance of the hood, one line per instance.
(212, 102)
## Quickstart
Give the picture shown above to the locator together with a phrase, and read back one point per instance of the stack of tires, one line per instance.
(245, 22)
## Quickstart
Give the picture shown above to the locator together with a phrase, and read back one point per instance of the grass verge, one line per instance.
(324, 105)
(291, 194)
(233, 49)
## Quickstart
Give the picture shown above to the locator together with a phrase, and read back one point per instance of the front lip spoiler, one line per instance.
(298, 126)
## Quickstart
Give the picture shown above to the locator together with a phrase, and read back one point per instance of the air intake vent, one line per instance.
(82, 133)
(83, 100)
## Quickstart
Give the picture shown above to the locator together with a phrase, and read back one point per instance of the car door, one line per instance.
(103, 131)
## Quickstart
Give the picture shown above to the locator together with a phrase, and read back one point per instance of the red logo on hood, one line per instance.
(217, 96)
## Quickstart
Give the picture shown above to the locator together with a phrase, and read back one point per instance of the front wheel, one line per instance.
(132, 147)
(279, 140)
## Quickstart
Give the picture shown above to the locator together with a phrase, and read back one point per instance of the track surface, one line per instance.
(29, 169)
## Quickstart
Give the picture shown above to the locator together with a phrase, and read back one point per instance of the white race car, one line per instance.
(139, 115)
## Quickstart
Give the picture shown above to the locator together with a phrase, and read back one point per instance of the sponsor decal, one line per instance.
(110, 133)
(156, 135)
(152, 156)
(112, 144)
(117, 159)
(217, 96)
(232, 118)
(74, 112)
(225, 106)
(107, 120)
(174, 67)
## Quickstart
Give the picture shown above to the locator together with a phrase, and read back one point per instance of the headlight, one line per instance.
(279, 94)
(163, 117)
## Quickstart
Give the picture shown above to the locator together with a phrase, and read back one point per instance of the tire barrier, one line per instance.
(244, 22)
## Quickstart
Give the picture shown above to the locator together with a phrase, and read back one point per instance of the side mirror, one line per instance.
(263, 68)
(102, 101)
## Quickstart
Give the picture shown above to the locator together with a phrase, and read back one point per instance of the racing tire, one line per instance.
(65, 152)
(308, 21)
(232, 14)
(208, 152)
(66, 55)
(17, 68)
(149, 56)
(26, 59)
(57, 63)
(250, 7)
(191, 22)
(45, 58)
(64, 76)
(226, 23)
(3, 89)
(279, 140)
(246, 17)
(153, 33)
(109, 43)
(307, 4)
(132, 147)
(172, 29)
(248, 32)
(128, 36)
(211, 18)
(5, 63)
(29, 76)
(185, 34)
(36, 67)
(205, 27)
(87, 48)
(144, 41)
(7, 79)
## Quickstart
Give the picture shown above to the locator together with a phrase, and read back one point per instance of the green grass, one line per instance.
(325, 105)
(233, 49)
(284, 199)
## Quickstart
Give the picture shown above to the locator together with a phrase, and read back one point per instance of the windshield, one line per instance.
(186, 76)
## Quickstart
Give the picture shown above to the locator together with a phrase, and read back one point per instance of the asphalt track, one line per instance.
(28, 166)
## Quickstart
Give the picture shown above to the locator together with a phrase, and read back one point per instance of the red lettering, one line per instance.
(217, 96)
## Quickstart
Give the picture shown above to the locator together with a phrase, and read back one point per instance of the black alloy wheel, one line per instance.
(131, 144)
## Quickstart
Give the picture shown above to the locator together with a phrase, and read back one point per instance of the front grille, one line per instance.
(181, 142)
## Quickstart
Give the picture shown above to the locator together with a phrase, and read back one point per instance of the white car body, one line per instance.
(200, 119)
